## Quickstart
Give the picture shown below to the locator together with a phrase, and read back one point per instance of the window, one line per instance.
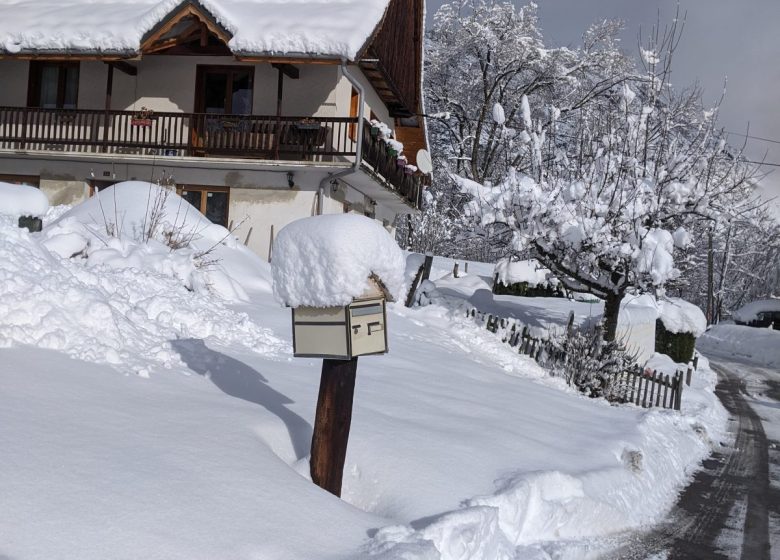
(53, 85)
(224, 90)
(211, 201)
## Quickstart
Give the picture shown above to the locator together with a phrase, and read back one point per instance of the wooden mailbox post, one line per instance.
(338, 335)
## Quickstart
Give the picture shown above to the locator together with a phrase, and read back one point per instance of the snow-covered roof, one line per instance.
(326, 261)
(750, 312)
(337, 28)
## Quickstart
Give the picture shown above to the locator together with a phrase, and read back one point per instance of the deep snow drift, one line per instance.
(179, 428)
(76, 288)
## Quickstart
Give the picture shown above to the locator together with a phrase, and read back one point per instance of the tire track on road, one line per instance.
(731, 476)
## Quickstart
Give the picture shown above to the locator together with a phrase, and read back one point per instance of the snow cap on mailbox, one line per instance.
(330, 260)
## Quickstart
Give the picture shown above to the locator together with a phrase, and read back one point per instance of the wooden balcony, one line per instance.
(172, 135)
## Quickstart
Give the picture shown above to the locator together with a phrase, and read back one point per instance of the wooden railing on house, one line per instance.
(176, 134)
(375, 154)
(146, 133)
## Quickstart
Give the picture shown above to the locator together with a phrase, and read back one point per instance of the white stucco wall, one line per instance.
(264, 208)
(167, 83)
(13, 88)
(372, 102)
(92, 84)
(60, 191)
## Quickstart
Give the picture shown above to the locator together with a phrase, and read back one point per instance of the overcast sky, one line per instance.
(737, 40)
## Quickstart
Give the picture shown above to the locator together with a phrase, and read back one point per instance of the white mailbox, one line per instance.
(357, 329)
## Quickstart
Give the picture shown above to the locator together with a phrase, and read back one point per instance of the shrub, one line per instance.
(524, 289)
(678, 346)
(591, 364)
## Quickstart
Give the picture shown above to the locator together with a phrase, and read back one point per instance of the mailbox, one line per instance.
(357, 329)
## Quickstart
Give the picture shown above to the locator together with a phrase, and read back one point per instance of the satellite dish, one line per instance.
(424, 163)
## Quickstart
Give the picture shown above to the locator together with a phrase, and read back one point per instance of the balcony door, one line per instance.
(224, 90)
(221, 92)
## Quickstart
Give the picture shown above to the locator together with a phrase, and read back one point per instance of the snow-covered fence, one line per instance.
(648, 388)
(645, 388)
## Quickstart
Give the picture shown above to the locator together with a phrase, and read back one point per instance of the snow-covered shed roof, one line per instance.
(329, 28)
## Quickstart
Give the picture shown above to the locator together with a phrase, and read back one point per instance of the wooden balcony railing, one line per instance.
(146, 133)
(376, 154)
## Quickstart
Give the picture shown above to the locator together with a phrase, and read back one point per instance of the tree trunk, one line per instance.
(331, 424)
(611, 312)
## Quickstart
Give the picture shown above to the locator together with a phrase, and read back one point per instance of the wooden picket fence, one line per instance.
(648, 388)
(642, 387)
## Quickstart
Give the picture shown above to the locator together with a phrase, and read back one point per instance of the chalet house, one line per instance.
(259, 111)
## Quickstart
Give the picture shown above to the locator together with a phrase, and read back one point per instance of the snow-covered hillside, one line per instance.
(143, 417)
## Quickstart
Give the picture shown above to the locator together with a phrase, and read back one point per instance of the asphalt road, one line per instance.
(727, 512)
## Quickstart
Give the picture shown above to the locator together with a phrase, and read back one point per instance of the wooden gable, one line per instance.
(189, 29)
(392, 59)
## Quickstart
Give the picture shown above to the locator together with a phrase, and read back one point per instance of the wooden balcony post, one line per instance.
(279, 94)
(106, 114)
(23, 143)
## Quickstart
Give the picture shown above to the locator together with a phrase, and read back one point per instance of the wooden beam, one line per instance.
(124, 67)
(287, 69)
(285, 60)
(109, 86)
(204, 36)
(63, 57)
(279, 92)
(174, 19)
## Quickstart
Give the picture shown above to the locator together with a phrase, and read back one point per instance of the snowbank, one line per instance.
(109, 313)
(749, 313)
(680, 316)
(22, 200)
(327, 260)
(758, 345)
(220, 448)
(324, 27)
(530, 511)
(142, 225)
(512, 272)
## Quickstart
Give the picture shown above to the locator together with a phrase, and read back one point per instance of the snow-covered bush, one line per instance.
(525, 278)
(591, 364)
(679, 324)
(146, 226)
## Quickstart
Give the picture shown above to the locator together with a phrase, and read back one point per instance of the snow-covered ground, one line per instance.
(753, 354)
(142, 417)
(751, 344)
